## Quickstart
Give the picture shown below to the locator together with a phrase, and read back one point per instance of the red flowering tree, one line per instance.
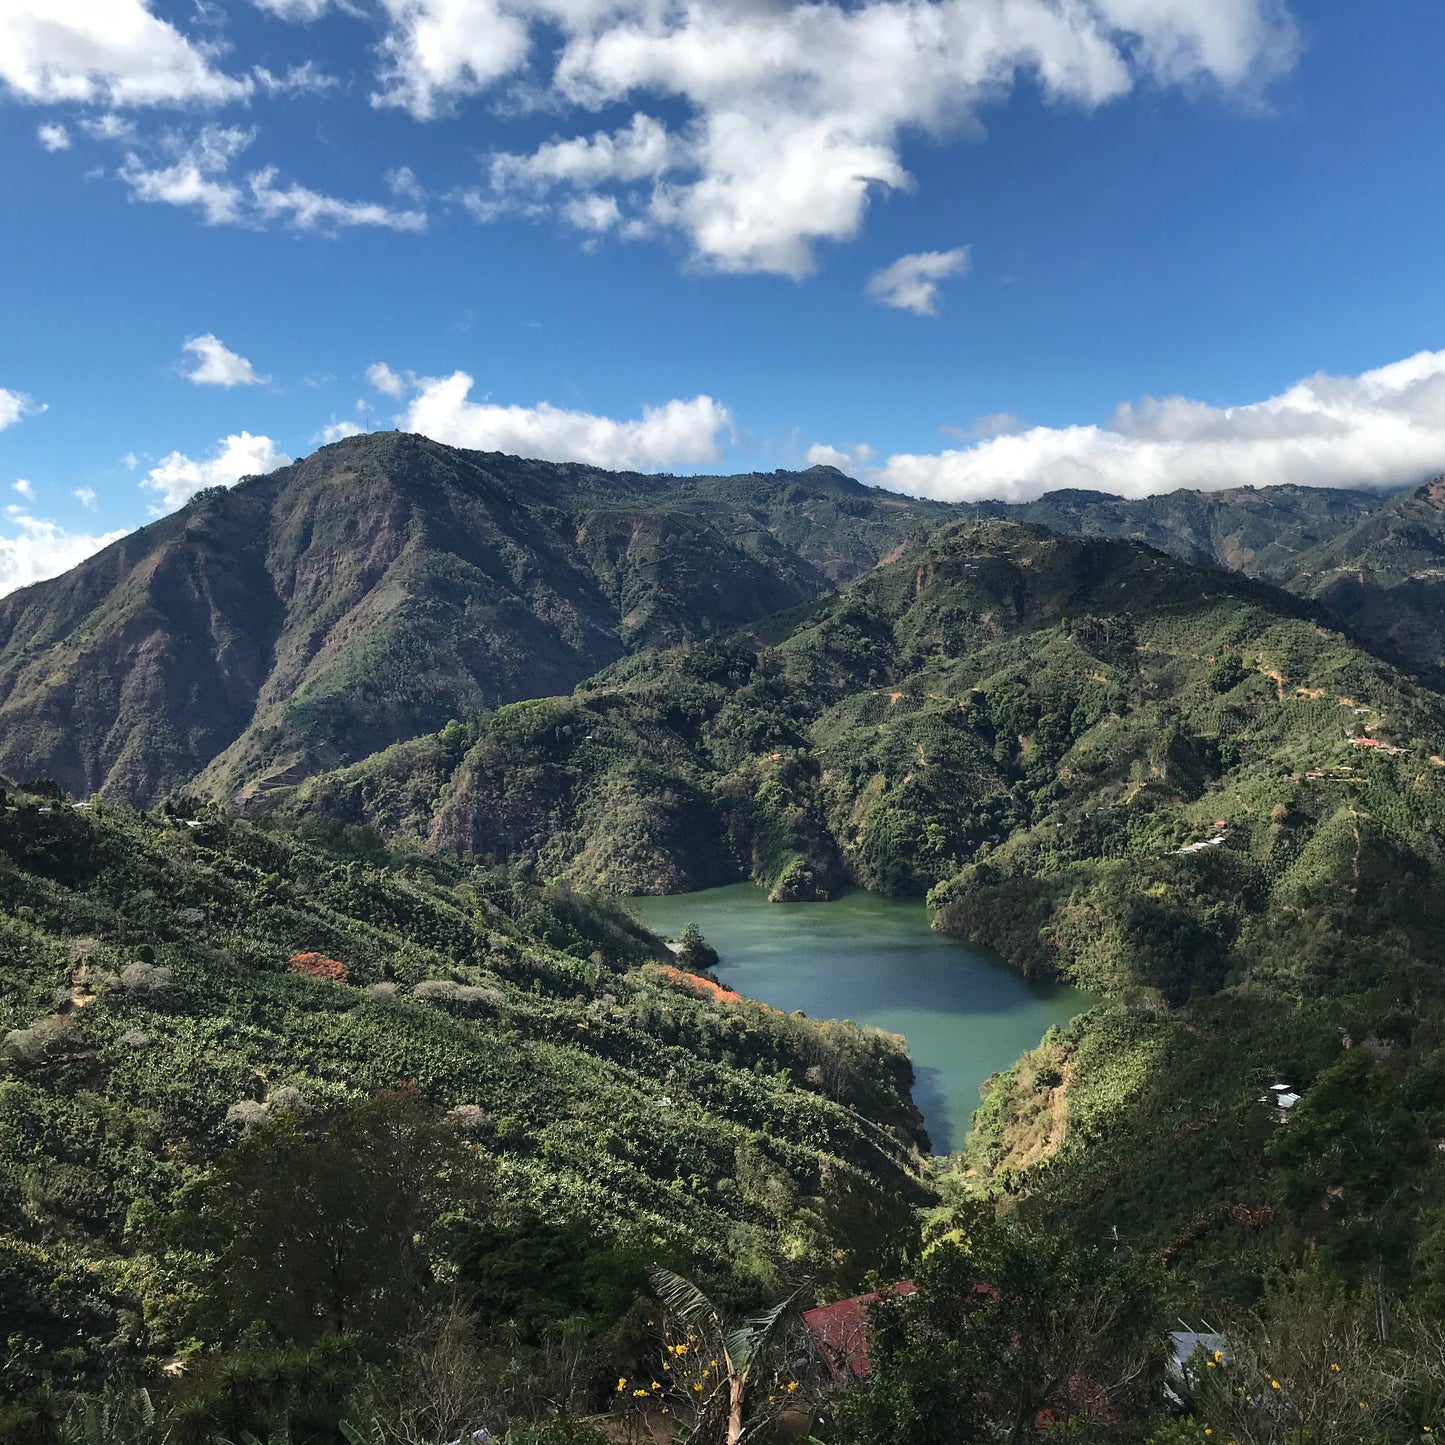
(317, 966)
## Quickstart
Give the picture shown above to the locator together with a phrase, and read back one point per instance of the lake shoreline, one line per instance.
(876, 961)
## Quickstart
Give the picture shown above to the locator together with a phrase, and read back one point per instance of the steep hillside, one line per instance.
(1384, 577)
(177, 993)
(1375, 562)
(1073, 711)
(384, 585)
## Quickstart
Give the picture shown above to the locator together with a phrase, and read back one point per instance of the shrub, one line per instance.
(445, 990)
(247, 1114)
(471, 1119)
(317, 966)
(30, 1045)
(142, 978)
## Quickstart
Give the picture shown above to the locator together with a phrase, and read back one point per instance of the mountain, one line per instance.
(385, 584)
(1060, 715)
(1375, 561)
(1384, 577)
(1255, 530)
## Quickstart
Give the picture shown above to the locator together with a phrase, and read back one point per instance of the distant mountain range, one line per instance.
(387, 584)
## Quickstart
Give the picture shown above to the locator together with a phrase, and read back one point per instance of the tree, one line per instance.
(694, 952)
(1010, 1332)
(718, 1361)
(338, 1224)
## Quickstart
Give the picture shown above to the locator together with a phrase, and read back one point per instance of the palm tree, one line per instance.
(741, 1345)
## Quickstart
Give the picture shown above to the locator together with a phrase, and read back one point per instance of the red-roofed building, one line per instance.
(839, 1331)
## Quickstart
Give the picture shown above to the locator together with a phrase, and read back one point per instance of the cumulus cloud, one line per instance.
(436, 50)
(14, 406)
(216, 365)
(338, 431)
(768, 128)
(26, 489)
(115, 52)
(53, 137)
(854, 457)
(197, 171)
(384, 379)
(38, 548)
(1382, 428)
(177, 478)
(911, 282)
(675, 433)
(86, 497)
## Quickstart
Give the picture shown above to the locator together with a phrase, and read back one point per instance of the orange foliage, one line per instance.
(317, 966)
(703, 987)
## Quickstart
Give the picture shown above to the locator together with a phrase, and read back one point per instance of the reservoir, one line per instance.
(875, 960)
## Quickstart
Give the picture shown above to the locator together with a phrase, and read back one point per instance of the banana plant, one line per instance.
(742, 1345)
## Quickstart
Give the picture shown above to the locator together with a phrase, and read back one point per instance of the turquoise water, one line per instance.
(875, 960)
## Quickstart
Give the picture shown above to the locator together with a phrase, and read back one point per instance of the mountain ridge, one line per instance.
(384, 584)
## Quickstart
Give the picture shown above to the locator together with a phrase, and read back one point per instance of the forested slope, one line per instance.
(188, 1003)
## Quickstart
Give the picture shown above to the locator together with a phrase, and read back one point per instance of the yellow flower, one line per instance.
(1274, 1384)
(639, 1394)
(1335, 1368)
(792, 1385)
(1219, 1354)
(1363, 1406)
(1210, 1363)
(697, 1389)
(1208, 1431)
(656, 1386)
(622, 1385)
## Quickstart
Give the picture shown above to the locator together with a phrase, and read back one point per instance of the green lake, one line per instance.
(965, 1014)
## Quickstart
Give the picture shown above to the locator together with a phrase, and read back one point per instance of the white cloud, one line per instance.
(911, 282)
(1382, 428)
(86, 497)
(307, 79)
(198, 173)
(384, 379)
(592, 213)
(308, 210)
(437, 50)
(15, 405)
(53, 137)
(338, 431)
(41, 549)
(218, 366)
(822, 455)
(402, 182)
(105, 52)
(26, 489)
(177, 477)
(676, 433)
(130, 461)
(295, 9)
(109, 127)
(783, 121)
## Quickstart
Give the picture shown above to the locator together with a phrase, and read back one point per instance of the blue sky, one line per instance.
(960, 247)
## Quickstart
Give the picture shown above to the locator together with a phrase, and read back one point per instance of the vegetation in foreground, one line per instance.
(283, 1119)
